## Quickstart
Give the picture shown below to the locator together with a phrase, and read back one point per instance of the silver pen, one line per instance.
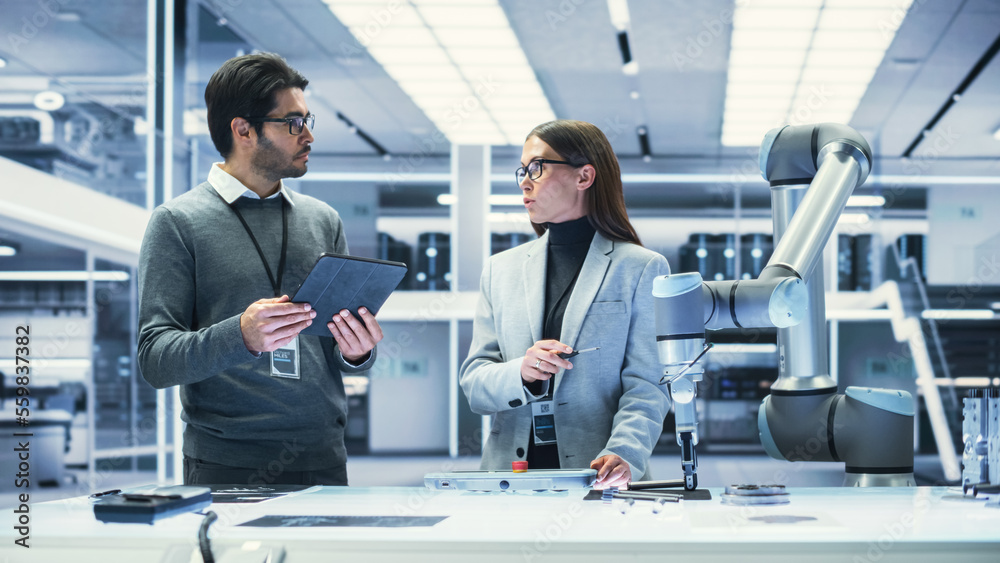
(567, 355)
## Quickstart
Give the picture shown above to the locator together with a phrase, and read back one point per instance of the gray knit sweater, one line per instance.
(198, 272)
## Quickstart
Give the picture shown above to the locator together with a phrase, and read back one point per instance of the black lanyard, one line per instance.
(284, 243)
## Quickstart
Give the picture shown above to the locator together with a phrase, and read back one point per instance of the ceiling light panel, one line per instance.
(477, 37)
(803, 61)
(788, 3)
(422, 72)
(372, 17)
(775, 19)
(766, 39)
(463, 16)
(490, 56)
(763, 75)
(458, 60)
(414, 37)
(770, 58)
(847, 40)
(420, 56)
(866, 61)
(849, 18)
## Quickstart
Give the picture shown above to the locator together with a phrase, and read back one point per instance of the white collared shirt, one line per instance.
(232, 189)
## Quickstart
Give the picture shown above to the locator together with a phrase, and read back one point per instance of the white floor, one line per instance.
(714, 470)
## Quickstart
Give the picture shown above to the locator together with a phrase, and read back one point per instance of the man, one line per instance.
(263, 404)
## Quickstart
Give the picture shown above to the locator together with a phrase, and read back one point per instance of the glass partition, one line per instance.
(74, 93)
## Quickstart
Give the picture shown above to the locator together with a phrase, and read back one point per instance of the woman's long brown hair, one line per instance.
(579, 143)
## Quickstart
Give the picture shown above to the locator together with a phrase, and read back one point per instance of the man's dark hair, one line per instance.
(245, 87)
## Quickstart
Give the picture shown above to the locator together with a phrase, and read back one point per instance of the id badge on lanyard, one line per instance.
(285, 360)
(543, 417)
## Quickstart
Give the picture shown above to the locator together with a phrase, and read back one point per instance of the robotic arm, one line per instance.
(812, 171)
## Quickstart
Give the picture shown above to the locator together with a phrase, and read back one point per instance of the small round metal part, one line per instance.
(756, 490)
(745, 495)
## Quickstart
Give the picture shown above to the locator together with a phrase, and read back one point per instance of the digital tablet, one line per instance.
(533, 479)
(338, 281)
(146, 505)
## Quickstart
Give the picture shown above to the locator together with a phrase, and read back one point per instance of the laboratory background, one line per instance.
(422, 107)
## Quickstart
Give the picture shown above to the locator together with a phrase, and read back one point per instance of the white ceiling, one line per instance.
(572, 47)
(94, 52)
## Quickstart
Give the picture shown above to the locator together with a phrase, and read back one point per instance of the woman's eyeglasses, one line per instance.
(534, 169)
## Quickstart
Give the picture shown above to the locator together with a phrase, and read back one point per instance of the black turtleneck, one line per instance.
(568, 246)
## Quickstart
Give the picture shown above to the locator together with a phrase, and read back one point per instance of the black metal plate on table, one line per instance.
(248, 494)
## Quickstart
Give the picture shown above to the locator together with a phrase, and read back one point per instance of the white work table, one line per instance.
(820, 524)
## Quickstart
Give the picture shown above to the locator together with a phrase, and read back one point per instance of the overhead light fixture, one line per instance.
(67, 16)
(499, 199)
(643, 133)
(141, 127)
(9, 248)
(49, 100)
(802, 62)
(865, 201)
(195, 123)
(118, 276)
(3, 62)
(382, 151)
(996, 134)
(618, 10)
(459, 62)
(957, 314)
(508, 218)
(853, 218)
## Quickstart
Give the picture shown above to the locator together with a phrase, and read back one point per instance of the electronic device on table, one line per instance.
(145, 505)
(531, 480)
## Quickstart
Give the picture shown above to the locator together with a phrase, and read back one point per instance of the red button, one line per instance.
(519, 466)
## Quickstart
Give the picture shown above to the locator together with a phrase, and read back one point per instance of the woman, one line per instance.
(585, 283)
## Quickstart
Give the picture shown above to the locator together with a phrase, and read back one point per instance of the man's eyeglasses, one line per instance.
(534, 169)
(295, 124)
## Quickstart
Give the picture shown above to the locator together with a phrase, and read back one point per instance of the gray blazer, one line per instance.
(609, 403)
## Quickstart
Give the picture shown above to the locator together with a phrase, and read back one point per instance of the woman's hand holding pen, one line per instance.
(542, 360)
